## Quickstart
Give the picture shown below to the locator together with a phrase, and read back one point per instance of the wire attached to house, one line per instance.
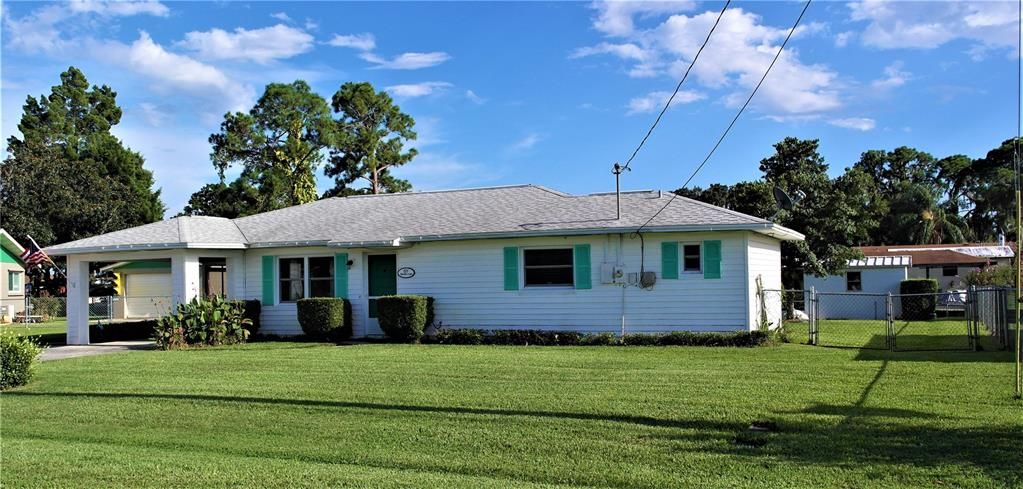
(734, 119)
(678, 87)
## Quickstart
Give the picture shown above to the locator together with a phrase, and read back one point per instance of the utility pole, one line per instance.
(617, 170)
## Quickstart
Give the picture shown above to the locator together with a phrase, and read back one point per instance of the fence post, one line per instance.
(813, 316)
(889, 322)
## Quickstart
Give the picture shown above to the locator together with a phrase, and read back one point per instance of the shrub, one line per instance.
(599, 339)
(448, 336)
(251, 309)
(325, 318)
(641, 339)
(996, 275)
(429, 311)
(403, 317)
(737, 339)
(919, 307)
(213, 321)
(127, 331)
(17, 360)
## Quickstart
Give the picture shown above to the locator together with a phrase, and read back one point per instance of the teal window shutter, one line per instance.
(511, 268)
(712, 259)
(669, 260)
(583, 274)
(268, 280)
(341, 275)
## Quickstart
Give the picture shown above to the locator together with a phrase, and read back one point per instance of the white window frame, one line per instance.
(21, 282)
(305, 274)
(522, 268)
(682, 256)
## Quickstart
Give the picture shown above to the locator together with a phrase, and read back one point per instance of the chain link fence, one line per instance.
(972, 319)
(101, 309)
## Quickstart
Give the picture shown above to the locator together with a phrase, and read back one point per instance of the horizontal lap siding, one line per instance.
(765, 262)
(466, 279)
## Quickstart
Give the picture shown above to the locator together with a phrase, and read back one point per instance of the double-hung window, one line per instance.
(548, 267)
(691, 258)
(299, 278)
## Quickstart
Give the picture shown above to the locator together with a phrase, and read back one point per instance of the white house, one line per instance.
(504, 257)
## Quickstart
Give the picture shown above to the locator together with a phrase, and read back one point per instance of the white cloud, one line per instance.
(119, 8)
(417, 89)
(311, 25)
(170, 71)
(476, 99)
(39, 31)
(259, 45)
(925, 25)
(654, 101)
(857, 123)
(362, 42)
(281, 16)
(627, 51)
(842, 39)
(894, 76)
(153, 115)
(407, 61)
(616, 18)
(526, 143)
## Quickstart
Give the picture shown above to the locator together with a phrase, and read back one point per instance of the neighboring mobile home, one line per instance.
(503, 257)
(12, 277)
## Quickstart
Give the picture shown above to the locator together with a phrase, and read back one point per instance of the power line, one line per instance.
(675, 93)
(734, 119)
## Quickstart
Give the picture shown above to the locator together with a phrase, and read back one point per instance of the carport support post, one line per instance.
(184, 278)
(77, 301)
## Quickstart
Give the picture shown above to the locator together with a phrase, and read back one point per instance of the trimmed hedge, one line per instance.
(251, 309)
(922, 307)
(325, 318)
(403, 317)
(571, 338)
(18, 357)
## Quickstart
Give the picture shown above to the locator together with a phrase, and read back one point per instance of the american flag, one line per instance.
(33, 255)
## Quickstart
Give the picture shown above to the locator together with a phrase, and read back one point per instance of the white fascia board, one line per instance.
(143, 246)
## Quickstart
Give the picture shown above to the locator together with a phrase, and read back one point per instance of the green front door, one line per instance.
(383, 279)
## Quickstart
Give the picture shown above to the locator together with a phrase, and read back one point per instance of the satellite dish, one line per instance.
(782, 199)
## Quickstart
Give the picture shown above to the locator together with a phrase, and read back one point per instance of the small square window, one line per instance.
(691, 258)
(949, 271)
(853, 282)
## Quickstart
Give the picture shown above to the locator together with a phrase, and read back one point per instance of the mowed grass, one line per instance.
(47, 332)
(311, 415)
(933, 335)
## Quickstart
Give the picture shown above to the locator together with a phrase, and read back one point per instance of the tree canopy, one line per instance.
(372, 134)
(67, 177)
(278, 144)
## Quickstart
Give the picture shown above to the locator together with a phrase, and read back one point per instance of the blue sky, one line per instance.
(548, 93)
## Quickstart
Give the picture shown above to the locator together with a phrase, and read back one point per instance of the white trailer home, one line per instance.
(504, 257)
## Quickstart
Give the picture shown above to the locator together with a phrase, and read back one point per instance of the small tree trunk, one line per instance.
(376, 182)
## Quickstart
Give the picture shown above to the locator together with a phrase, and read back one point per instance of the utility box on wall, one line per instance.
(611, 273)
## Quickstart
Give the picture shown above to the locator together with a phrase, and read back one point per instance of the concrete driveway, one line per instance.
(74, 351)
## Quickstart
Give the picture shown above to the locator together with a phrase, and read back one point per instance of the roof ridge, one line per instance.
(441, 191)
(719, 208)
(184, 234)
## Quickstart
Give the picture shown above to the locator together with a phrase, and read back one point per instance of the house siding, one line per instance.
(467, 280)
(764, 255)
(869, 303)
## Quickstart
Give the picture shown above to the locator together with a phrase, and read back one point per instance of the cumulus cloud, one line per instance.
(417, 89)
(39, 30)
(894, 76)
(857, 123)
(617, 18)
(282, 16)
(171, 71)
(362, 42)
(925, 25)
(842, 39)
(654, 101)
(119, 8)
(259, 45)
(407, 61)
(736, 57)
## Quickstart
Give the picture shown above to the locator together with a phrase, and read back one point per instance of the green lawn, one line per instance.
(47, 332)
(938, 334)
(305, 415)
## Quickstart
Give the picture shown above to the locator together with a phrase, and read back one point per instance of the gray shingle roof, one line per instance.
(424, 216)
